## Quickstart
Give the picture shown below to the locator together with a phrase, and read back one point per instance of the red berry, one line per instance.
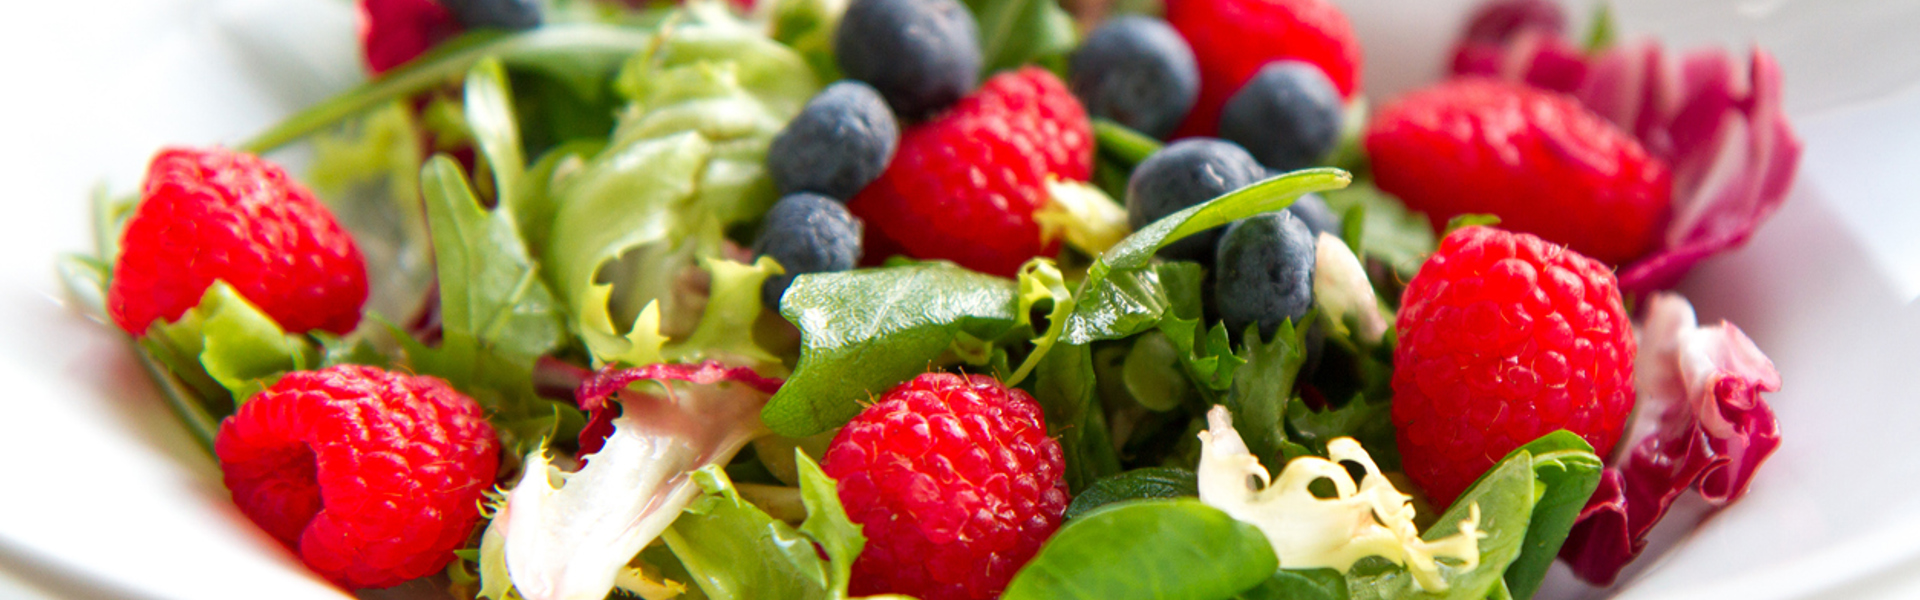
(1540, 161)
(1505, 338)
(965, 186)
(373, 478)
(1233, 39)
(955, 483)
(393, 32)
(215, 214)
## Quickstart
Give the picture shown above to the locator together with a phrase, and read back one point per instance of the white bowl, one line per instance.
(105, 495)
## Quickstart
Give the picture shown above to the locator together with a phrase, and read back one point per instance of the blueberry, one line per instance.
(1264, 272)
(1184, 174)
(921, 54)
(511, 15)
(1137, 71)
(807, 233)
(1313, 210)
(838, 144)
(1287, 115)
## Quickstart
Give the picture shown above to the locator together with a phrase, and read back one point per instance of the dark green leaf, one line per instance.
(1159, 549)
(1138, 484)
(1066, 390)
(1569, 472)
(1262, 388)
(827, 523)
(1152, 373)
(1303, 584)
(1391, 234)
(863, 332)
(735, 551)
(1368, 421)
(490, 288)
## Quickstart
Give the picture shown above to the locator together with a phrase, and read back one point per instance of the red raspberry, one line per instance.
(1232, 39)
(1505, 338)
(1540, 161)
(964, 186)
(393, 32)
(955, 483)
(373, 478)
(216, 214)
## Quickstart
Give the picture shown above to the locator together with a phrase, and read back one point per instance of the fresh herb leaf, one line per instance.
(1138, 484)
(1368, 421)
(1504, 497)
(863, 332)
(1299, 584)
(1066, 390)
(1163, 549)
(1390, 233)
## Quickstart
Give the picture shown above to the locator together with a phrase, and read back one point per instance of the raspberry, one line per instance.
(393, 32)
(956, 485)
(1540, 161)
(964, 187)
(214, 214)
(1233, 39)
(1505, 338)
(373, 478)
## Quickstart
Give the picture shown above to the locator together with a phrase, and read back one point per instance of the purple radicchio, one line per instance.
(1718, 124)
(570, 536)
(1700, 423)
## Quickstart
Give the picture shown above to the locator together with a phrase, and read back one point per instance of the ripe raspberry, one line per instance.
(1233, 39)
(393, 32)
(964, 186)
(373, 478)
(1505, 338)
(955, 483)
(1541, 161)
(216, 214)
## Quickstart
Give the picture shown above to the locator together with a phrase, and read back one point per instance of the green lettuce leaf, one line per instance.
(1301, 584)
(1390, 233)
(1162, 549)
(1568, 472)
(685, 163)
(863, 332)
(1262, 389)
(231, 342)
(807, 26)
(1014, 33)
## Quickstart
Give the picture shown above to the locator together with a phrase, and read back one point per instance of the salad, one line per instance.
(932, 299)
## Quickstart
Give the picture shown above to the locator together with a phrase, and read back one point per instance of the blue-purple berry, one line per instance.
(1184, 174)
(1287, 115)
(838, 144)
(1312, 210)
(1264, 272)
(922, 55)
(1138, 72)
(807, 233)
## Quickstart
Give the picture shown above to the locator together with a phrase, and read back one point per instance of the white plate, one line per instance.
(104, 495)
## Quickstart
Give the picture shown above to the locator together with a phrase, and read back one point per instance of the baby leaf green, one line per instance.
(1159, 549)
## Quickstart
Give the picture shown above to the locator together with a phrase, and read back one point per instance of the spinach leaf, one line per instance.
(1065, 388)
(863, 332)
(1138, 484)
(1302, 584)
(1568, 472)
(1164, 549)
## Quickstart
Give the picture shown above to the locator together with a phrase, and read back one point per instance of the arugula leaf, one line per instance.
(1368, 421)
(1262, 388)
(863, 332)
(1067, 395)
(497, 316)
(1569, 472)
(1138, 484)
(1300, 584)
(1019, 32)
(496, 132)
(1111, 305)
(1166, 549)
(577, 41)
(827, 523)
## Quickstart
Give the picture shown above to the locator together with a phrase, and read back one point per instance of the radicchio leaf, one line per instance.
(1701, 423)
(570, 536)
(1717, 123)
